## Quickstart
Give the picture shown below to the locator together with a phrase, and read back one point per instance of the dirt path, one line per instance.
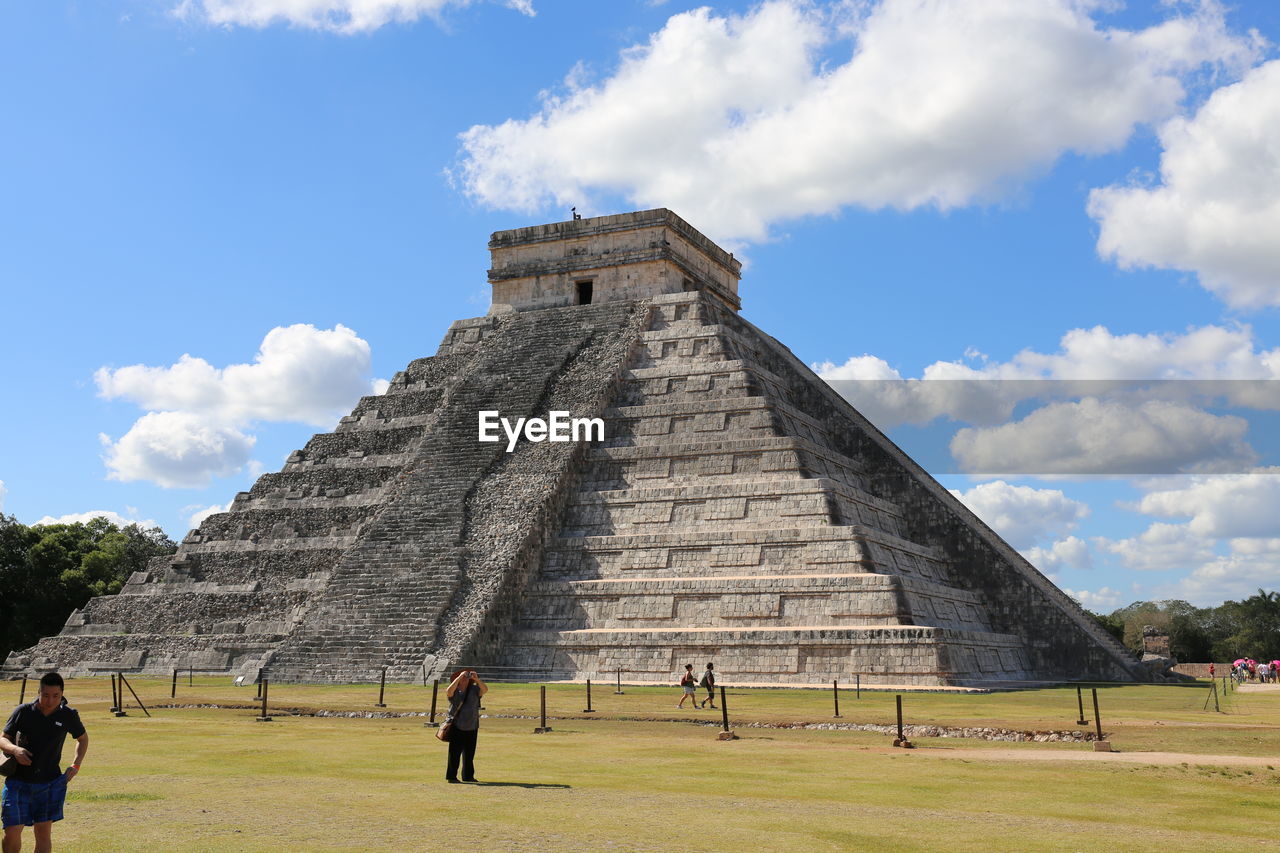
(1162, 758)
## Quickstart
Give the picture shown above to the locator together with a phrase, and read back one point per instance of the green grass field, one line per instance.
(640, 775)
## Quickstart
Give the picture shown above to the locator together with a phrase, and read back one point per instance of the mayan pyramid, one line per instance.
(736, 510)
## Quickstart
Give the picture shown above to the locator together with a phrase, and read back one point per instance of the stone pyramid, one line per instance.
(736, 509)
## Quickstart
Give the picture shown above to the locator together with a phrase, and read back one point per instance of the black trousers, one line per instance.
(462, 745)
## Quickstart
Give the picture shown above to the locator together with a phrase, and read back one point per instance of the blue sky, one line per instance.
(224, 220)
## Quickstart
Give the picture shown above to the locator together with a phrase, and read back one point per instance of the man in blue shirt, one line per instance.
(34, 794)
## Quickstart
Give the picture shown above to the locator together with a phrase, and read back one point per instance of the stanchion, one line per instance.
(424, 673)
(1099, 745)
(726, 733)
(901, 740)
(22, 696)
(191, 677)
(618, 692)
(835, 694)
(117, 695)
(1080, 721)
(435, 689)
(124, 684)
(858, 688)
(173, 686)
(544, 727)
(588, 709)
(263, 718)
(382, 690)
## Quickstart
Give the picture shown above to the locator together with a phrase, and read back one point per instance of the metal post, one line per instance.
(1080, 721)
(115, 706)
(902, 737)
(588, 710)
(858, 695)
(124, 684)
(618, 692)
(424, 673)
(22, 697)
(435, 689)
(1097, 719)
(173, 686)
(263, 718)
(382, 690)
(118, 683)
(544, 727)
(726, 734)
(191, 677)
(835, 694)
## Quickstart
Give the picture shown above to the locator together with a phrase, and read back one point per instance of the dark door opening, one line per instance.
(584, 292)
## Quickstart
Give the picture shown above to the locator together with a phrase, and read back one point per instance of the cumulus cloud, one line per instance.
(1093, 436)
(1070, 553)
(197, 514)
(738, 122)
(1222, 507)
(1092, 361)
(300, 373)
(176, 450)
(339, 16)
(1021, 514)
(200, 419)
(1236, 575)
(1102, 601)
(113, 517)
(1216, 208)
(1162, 547)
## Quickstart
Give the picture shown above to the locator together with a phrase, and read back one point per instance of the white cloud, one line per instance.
(738, 122)
(177, 449)
(1069, 553)
(1162, 547)
(1102, 601)
(1086, 359)
(1216, 210)
(113, 517)
(199, 514)
(1224, 507)
(199, 426)
(1100, 437)
(1021, 514)
(300, 373)
(340, 16)
(1234, 576)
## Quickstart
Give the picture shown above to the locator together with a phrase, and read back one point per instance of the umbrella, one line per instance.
(1238, 662)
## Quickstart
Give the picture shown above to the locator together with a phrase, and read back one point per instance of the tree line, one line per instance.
(1234, 629)
(49, 570)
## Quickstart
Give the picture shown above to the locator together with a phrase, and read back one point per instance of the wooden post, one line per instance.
(1080, 721)
(424, 673)
(435, 689)
(835, 694)
(1099, 745)
(588, 709)
(901, 740)
(726, 734)
(173, 686)
(191, 677)
(544, 727)
(263, 718)
(618, 692)
(382, 690)
(858, 694)
(22, 696)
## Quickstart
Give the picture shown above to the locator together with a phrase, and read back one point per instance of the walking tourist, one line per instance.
(465, 690)
(689, 683)
(36, 788)
(709, 681)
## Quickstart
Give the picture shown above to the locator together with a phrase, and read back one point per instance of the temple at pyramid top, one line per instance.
(623, 257)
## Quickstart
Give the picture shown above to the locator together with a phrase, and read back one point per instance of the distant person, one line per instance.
(33, 736)
(1210, 672)
(1264, 673)
(689, 683)
(464, 694)
(709, 681)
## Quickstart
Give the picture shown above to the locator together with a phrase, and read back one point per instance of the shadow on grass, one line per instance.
(517, 785)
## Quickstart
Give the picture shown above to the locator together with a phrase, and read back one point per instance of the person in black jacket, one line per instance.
(465, 690)
(709, 681)
(36, 791)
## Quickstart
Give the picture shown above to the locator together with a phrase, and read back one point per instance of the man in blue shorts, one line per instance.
(35, 792)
